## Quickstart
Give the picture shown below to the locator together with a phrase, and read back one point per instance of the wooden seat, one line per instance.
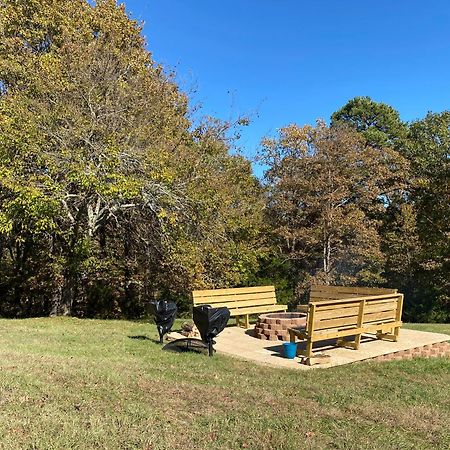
(350, 316)
(242, 302)
(321, 292)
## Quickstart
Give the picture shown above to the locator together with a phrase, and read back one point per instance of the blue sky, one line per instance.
(285, 61)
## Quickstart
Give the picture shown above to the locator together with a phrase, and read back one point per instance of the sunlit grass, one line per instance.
(81, 384)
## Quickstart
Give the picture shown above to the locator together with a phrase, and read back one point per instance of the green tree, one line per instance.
(428, 152)
(108, 190)
(379, 123)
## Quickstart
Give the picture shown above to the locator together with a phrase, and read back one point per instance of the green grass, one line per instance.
(82, 384)
(433, 327)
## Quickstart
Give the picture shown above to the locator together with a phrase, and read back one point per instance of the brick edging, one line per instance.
(426, 351)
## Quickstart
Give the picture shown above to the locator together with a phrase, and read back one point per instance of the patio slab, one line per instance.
(240, 343)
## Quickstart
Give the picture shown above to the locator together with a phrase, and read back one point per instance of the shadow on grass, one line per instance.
(143, 338)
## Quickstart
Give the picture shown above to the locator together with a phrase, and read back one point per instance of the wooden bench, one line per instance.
(320, 293)
(338, 318)
(242, 302)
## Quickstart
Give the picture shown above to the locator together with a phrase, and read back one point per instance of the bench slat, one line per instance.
(380, 316)
(353, 320)
(335, 323)
(336, 333)
(332, 295)
(352, 290)
(257, 310)
(351, 310)
(263, 296)
(243, 303)
(233, 291)
(341, 302)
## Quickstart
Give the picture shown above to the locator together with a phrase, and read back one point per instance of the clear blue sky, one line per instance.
(295, 61)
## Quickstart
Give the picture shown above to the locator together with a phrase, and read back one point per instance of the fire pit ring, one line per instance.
(274, 326)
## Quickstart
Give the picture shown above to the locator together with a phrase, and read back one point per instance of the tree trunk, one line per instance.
(127, 271)
(327, 258)
(64, 297)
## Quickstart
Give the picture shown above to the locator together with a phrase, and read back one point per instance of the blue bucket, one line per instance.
(290, 349)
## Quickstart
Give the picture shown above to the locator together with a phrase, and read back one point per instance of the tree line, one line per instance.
(111, 194)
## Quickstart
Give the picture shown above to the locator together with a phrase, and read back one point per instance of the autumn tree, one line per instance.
(109, 194)
(322, 183)
(414, 228)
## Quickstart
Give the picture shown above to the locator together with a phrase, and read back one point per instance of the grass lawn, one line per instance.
(82, 384)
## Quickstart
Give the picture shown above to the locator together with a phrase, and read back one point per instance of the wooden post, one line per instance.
(398, 316)
(310, 331)
(359, 323)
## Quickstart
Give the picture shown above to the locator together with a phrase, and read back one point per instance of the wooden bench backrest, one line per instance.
(329, 315)
(236, 297)
(319, 292)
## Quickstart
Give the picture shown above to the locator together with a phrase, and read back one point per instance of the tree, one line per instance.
(322, 182)
(401, 246)
(109, 191)
(428, 152)
(415, 221)
(379, 123)
(80, 91)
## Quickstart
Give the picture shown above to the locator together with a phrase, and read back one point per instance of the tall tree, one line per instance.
(322, 182)
(428, 152)
(379, 123)
(107, 190)
(414, 233)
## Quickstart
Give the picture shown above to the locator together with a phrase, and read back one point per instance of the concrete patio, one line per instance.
(240, 343)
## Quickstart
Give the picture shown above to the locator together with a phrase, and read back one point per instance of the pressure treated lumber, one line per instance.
(242, 302)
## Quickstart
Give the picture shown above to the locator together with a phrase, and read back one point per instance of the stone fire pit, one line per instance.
(274, 326)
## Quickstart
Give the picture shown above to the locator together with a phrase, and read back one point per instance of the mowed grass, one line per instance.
(82, 384)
